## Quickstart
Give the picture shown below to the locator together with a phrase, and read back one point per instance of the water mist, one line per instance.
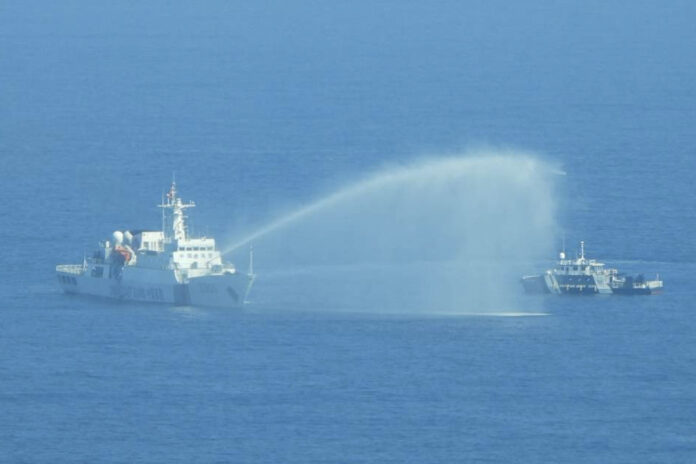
(446, 235)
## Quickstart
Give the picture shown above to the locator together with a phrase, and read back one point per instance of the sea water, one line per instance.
(344, 357)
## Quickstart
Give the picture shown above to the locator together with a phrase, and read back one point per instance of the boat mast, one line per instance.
(164, 233)
(251, 260)
(177, 206)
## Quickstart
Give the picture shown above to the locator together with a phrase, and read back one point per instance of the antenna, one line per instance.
(164, 233)
(178, 219)
(251, 260)
(582, 249)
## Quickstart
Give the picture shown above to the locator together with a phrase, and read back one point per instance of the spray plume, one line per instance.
(451, 232)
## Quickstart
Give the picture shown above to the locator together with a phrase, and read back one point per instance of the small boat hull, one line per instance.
(652, 287)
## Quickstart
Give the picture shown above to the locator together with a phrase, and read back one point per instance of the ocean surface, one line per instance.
(263, 108)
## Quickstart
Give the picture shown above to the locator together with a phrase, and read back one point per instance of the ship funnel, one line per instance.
(128, 237)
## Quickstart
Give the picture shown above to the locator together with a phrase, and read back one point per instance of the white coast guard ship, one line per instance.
(583, 276)
(162, 266)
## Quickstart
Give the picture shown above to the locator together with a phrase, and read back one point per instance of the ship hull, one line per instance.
(534, 284)
(583, 285)
(562, 285)
(576, 284)
(228, 290)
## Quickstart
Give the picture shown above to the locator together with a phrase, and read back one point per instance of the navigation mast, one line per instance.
(177, 206)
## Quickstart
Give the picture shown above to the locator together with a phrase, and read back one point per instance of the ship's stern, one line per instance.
(69, 276)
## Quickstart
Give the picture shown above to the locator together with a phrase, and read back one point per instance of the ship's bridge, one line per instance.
(196, 253)
(580, 266)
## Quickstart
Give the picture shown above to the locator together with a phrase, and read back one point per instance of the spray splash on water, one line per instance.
(443, 234)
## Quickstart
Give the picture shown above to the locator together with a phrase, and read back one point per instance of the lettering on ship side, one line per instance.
(137, 293)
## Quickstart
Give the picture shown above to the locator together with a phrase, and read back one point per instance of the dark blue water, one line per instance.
(262, 108)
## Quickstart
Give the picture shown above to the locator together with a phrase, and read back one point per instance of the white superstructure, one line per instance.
(580, 275)
(163, 266)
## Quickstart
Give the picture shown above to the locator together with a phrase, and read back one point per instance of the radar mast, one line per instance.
(174, 203)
